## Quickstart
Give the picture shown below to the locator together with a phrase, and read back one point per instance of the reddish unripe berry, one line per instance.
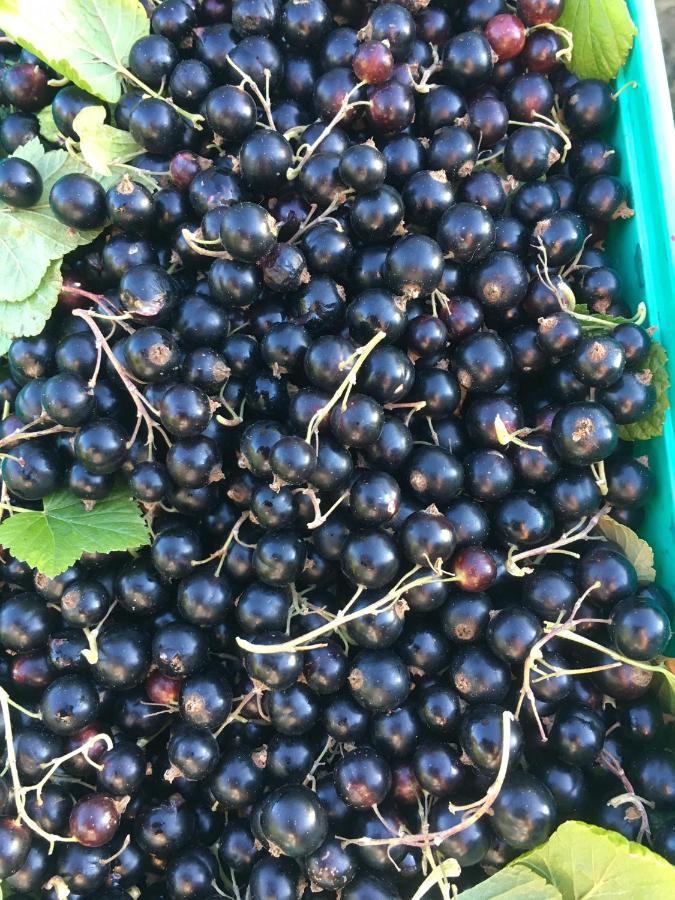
(94, 820)
(474, 568)
(162, 689)
(506, 34)
(539, 12)
(373, 62)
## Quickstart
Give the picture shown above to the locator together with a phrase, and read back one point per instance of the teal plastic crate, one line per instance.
(643, 248)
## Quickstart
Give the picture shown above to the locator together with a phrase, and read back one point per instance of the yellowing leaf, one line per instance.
(102, 145)
(636, 550)
(88, 41)
(603, 33)
(56, 537)
(48, 128)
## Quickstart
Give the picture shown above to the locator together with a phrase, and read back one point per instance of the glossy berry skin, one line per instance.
(426, 537)
(193, 751)
(479, 676)
(488, 475)
(467, 60)
(278, 558)
(640, 628)
(475, 568)
(66, 399)
(20, 183)
(529, 153)
(617, 576)
(147, 291)
(373, 62)
(438, 769)
(276, 670)
(584, 433)
(129, 206)
(230, 112)
(599, 362)
(524, 812)
(654, 773)
(294, 820)
(179, 649)
(379, 680)
(94, 820)
(506, 35)
(466, 232)
(524, 519)
(512, 632)
(630, 398)
(577, 735)
(362, 778)
(539, 12)
(247, 231)
(68, 704)
(15, 840)
(331, 866)
(78, 201)
(101, 446)
(481, 737)
(370, 558)
(31, 471)
(413, 266)
(589, 106)
(155, 125)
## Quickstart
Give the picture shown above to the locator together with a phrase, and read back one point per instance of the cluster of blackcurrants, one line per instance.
(335, 359)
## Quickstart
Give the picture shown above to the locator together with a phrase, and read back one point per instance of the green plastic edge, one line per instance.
(643, 248)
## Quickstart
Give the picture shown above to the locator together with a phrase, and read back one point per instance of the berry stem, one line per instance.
(475, 810)
(565, 54)
(549, 125)
(222, 551)
(194, 245)
(19, 791)
(195, 118)
(578, 532)
(22, 434)
(307, 641)
(263, 99)
(342, 393)
(345, 108)
(326, 216)
(141, 404)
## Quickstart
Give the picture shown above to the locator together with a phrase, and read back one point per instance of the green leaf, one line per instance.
(20, 272)
(102, 145)
(514, 883)
(31, 238)
(636, 550)
(599, 323)
(88, 41)
(5, 341)
(55, 538)
(48, 128)
(30, 316)
(652, 425)
(603, 32)
(585, 861)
